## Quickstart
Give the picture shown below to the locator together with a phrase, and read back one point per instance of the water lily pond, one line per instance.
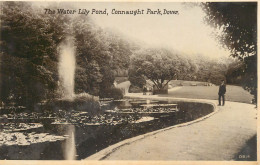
(77, 135)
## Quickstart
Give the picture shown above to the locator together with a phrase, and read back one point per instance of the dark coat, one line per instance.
(145, 89)
(222, 89)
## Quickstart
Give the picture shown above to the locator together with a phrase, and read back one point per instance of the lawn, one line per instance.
(234, 93)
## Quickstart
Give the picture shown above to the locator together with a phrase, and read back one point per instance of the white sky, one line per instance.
(185, 32)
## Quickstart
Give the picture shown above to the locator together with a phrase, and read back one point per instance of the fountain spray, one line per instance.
(66, 68)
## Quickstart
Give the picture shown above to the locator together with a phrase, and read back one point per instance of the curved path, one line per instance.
(219, 137)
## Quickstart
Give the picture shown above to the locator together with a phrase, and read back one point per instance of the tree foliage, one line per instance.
(162, 65)
(159, 65)
(211, 70)
(29, 54)
(99, 55)
(238, 22)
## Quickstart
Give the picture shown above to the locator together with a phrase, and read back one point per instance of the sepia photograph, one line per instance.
(128, 81)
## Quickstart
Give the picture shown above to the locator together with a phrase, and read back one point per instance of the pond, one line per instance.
(77, 135)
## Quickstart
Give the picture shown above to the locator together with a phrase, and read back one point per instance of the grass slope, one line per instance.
(234, 93)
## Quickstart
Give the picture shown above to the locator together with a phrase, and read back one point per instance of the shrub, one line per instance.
(86, 102)
(113, 92)
(135, 89)
(81, 102)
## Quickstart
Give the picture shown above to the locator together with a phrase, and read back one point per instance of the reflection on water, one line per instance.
(78, 140)
(70, 147)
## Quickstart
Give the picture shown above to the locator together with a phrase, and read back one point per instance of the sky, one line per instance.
(185, 32)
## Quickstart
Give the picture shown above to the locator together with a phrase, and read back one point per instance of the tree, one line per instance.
(92, 57)
(238, 22)
(99, 54)
(234, 71)
(136, 77)
(159, 65)
(28, 44)
(211, 70)
(81, 80)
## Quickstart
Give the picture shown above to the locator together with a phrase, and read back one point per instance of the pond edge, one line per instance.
(103, 154)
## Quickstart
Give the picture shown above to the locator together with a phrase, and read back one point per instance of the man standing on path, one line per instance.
(144, 90)
(221, 93)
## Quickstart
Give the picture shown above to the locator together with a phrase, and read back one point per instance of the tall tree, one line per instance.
(28, 54)
(238, 21)
(106, 51)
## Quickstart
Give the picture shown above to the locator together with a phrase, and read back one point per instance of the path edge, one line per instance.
(103, 154)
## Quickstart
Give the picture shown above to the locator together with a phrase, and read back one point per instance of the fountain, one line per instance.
(69, 100)
(66, 68)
